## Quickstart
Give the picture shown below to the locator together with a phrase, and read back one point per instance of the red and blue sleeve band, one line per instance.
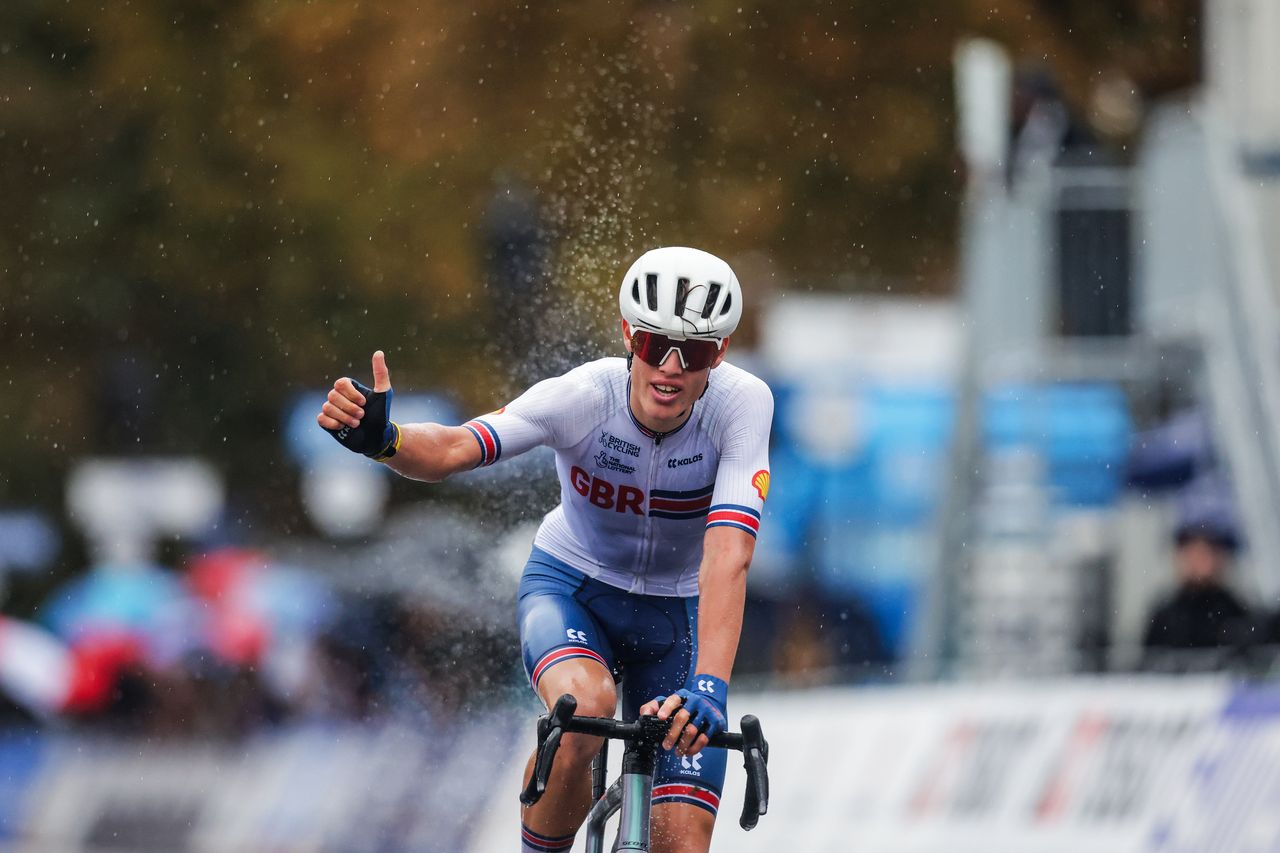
(487, 437)
(743, 518)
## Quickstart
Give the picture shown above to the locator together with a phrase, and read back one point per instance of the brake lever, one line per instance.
(566, 706)
(542, 767)
(755, 760)
(550, 730)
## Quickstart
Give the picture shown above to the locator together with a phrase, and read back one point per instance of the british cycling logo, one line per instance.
(688, 460)
(619, 445)
(613, 463)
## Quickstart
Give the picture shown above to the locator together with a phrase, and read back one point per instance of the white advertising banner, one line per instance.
(1230, 800)
(1046, 767)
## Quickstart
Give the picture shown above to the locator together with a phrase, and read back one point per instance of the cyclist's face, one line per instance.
(662, 395)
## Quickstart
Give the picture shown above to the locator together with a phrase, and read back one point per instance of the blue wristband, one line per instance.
(715, 689)
(706, 697)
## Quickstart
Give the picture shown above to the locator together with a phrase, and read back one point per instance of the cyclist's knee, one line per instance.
(589, 682)
(576, 752)
(592, 685)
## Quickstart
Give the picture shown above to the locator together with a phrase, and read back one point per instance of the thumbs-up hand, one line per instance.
(358, 417)
(381, 376)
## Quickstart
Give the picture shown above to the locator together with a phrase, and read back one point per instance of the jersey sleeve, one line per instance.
(742, 480)
(555, 412)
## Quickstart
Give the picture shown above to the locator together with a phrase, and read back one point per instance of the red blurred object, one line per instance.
(221, 578)
(216, 576)
(237, 636)
(97, 663)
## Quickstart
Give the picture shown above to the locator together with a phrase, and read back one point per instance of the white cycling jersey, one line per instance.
(634, 504)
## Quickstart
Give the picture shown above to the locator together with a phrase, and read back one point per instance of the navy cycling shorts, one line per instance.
(648, 642)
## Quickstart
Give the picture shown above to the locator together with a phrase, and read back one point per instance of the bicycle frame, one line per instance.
(631, 794)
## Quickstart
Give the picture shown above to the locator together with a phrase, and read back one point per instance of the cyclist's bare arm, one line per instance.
(722, 594)
(429, 452)
(432, 452)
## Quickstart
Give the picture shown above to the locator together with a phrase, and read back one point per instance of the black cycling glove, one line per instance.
(377, 436)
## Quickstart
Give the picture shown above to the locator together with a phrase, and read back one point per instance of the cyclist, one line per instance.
(638, 577)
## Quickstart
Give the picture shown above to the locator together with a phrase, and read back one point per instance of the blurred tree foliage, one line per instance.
(209, 204)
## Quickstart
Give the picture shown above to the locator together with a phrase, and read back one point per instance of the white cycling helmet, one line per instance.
(681, 293)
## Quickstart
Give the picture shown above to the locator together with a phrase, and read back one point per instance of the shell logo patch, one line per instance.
(760, 480)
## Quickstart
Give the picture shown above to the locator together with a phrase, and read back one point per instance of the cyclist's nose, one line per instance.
(671, 364)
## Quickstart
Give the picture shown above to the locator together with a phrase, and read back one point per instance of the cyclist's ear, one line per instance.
(724, 348)
(626, 335)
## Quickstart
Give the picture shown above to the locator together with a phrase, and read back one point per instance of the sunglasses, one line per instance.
(652, 348)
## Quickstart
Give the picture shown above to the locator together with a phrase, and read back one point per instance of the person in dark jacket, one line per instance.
(1202, 612)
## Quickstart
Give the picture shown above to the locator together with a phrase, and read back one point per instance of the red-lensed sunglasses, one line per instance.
(652, 348)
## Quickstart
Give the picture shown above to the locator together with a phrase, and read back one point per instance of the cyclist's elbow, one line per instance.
(727, 568)
(729, 548)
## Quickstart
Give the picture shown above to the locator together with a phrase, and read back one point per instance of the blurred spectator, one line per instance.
(229, 641)
(1202, 613)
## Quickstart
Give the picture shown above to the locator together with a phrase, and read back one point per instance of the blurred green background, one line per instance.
(210, 205)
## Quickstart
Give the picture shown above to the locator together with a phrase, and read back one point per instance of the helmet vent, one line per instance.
(728, 300)
(712, 295)
(651, 290)
(635, 290)
(682, 294)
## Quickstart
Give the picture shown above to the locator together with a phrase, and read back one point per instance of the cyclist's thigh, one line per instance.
(697, 780)
(555, 627)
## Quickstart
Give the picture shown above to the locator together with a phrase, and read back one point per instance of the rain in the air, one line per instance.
(638, 425)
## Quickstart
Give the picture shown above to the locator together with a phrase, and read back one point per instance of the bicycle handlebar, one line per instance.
(649, 729)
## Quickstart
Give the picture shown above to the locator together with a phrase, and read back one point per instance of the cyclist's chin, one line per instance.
(667, 410)
(661, 415)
